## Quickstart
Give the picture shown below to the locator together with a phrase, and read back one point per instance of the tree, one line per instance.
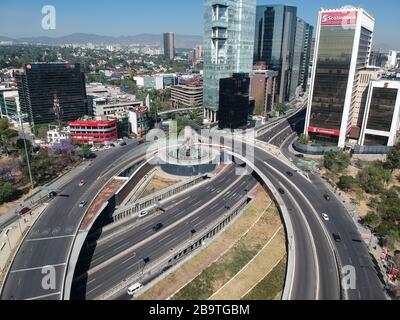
(393, 159)
(373, 220)
(281, 107)
(373, 179)
(337, 160)
(85, 149)
(6, 133)
(346, 183)
(6, 192)
(303, 139)
(64, 148)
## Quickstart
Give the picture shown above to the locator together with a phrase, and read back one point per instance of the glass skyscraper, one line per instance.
(275, 42)
(228, 46)
(52, 92)
(301, 57)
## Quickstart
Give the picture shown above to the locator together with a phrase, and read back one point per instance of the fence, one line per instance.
(155, 198)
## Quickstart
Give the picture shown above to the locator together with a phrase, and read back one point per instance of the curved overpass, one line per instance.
(50, 239)
(315, 262)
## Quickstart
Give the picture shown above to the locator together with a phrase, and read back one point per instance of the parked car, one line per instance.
(82, 204)
(300, 156)
(290, 174)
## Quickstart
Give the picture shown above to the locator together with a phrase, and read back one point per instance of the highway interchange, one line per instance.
(318, 258)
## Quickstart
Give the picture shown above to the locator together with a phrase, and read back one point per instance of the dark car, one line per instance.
(290, 174)
(24, 211)
(327, 197)
(300, 156)
(158, 226)
(337, 237)
(281, 191)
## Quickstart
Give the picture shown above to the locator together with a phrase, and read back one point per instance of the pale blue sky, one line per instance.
(20, 18)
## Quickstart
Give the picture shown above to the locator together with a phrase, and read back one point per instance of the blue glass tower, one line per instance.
(228, 46)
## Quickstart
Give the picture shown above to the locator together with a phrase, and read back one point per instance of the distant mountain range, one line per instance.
(181, 41)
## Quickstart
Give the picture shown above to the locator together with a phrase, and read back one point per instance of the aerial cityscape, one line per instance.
(256, 159)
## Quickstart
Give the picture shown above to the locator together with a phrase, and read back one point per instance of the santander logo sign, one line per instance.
(339, 18)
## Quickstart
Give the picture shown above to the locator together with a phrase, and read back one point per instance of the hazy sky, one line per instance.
(21, 18)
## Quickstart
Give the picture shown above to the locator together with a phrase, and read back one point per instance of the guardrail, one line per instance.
(154, 199)
(187, 248)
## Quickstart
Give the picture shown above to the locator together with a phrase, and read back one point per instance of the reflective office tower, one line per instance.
(169, 46)
(306, 54)
(52, 92)
(274, 43)
(228, 46)
(343, 47)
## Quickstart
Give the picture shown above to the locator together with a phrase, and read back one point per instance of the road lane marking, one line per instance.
(37, 268)
(51, 238)
(44, 296)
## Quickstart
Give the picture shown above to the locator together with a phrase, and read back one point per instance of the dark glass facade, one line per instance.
(51, 92)
(234, 105)
(372, 140)
(332, 76)
(274, 43)
(381, 110)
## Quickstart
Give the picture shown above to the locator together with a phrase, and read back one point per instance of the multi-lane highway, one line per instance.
(318, 259)
(49, 241)
(351, 251)
(185, 214)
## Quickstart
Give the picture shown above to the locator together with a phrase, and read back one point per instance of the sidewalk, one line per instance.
(41, 194)
(11, 238)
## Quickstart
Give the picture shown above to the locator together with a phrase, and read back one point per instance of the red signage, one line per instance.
(328, 132)
(339, 18)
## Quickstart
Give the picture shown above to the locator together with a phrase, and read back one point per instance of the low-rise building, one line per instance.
(139, 120)
(97, 130)
(263, 90)
(57, 135)
(188, 94)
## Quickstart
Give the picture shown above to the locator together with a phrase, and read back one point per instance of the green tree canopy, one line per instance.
(337, 160)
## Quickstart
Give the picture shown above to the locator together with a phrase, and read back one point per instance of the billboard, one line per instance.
(329, 132)
(338, 18)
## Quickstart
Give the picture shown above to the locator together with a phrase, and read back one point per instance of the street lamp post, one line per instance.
(25, 147)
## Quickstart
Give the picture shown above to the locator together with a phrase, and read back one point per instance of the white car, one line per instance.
(143, 214)
(325, 217)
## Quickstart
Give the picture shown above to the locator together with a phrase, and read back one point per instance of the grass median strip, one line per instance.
(158, 183)
(270, 288)
(203, 259)
(209, 270)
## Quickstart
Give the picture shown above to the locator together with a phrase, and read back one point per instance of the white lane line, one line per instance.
(94, 289)
(44, 296)
(120, 247)
(38, 268)
(51, 238)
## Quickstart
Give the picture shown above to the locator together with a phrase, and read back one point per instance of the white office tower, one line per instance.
(382, 114)
(342, 50)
